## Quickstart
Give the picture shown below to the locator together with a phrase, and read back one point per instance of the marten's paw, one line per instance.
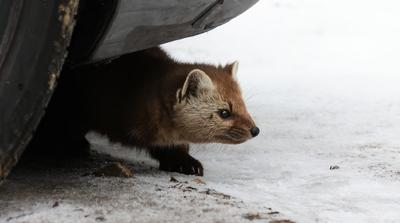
(182, 163)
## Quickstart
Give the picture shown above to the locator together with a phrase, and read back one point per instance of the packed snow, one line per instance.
(322, 81)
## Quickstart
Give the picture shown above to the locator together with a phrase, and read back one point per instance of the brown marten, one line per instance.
(149, 101)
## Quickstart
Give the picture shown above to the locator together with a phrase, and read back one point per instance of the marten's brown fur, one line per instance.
(148, 100)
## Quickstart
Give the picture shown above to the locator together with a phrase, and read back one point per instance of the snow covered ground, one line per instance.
(322, 80)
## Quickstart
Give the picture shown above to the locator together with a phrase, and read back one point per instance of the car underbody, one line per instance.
(38, 39)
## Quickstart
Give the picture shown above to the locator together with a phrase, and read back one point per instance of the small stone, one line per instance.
(56, 204)
(335, 167)
(282, 221)
(188, 188)
(252, 216)
(114, 170)
(173, 179)
(100, 218)
(199, 181)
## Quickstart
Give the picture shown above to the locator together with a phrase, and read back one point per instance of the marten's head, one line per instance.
(209, 107)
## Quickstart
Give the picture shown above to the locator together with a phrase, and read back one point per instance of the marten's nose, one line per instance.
(254, 131)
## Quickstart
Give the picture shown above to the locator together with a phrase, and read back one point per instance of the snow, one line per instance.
(321, 79)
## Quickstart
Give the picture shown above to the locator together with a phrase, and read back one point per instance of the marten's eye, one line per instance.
(224, 114)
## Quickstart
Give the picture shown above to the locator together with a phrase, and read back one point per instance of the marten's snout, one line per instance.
(254, 131)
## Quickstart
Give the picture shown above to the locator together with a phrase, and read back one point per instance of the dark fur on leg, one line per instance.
(176, 159)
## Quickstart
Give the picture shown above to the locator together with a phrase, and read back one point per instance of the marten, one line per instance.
(149, 101)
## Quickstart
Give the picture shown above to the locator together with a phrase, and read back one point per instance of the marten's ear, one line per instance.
(233, 68)
(196, 82)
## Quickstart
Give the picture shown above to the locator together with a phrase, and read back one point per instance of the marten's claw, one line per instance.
(185, 164)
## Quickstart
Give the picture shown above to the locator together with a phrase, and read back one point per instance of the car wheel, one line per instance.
(34, 36)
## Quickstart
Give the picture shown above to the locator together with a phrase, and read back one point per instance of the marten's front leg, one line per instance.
(177, 159)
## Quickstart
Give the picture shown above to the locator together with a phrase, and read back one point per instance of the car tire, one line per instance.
(34, 36)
